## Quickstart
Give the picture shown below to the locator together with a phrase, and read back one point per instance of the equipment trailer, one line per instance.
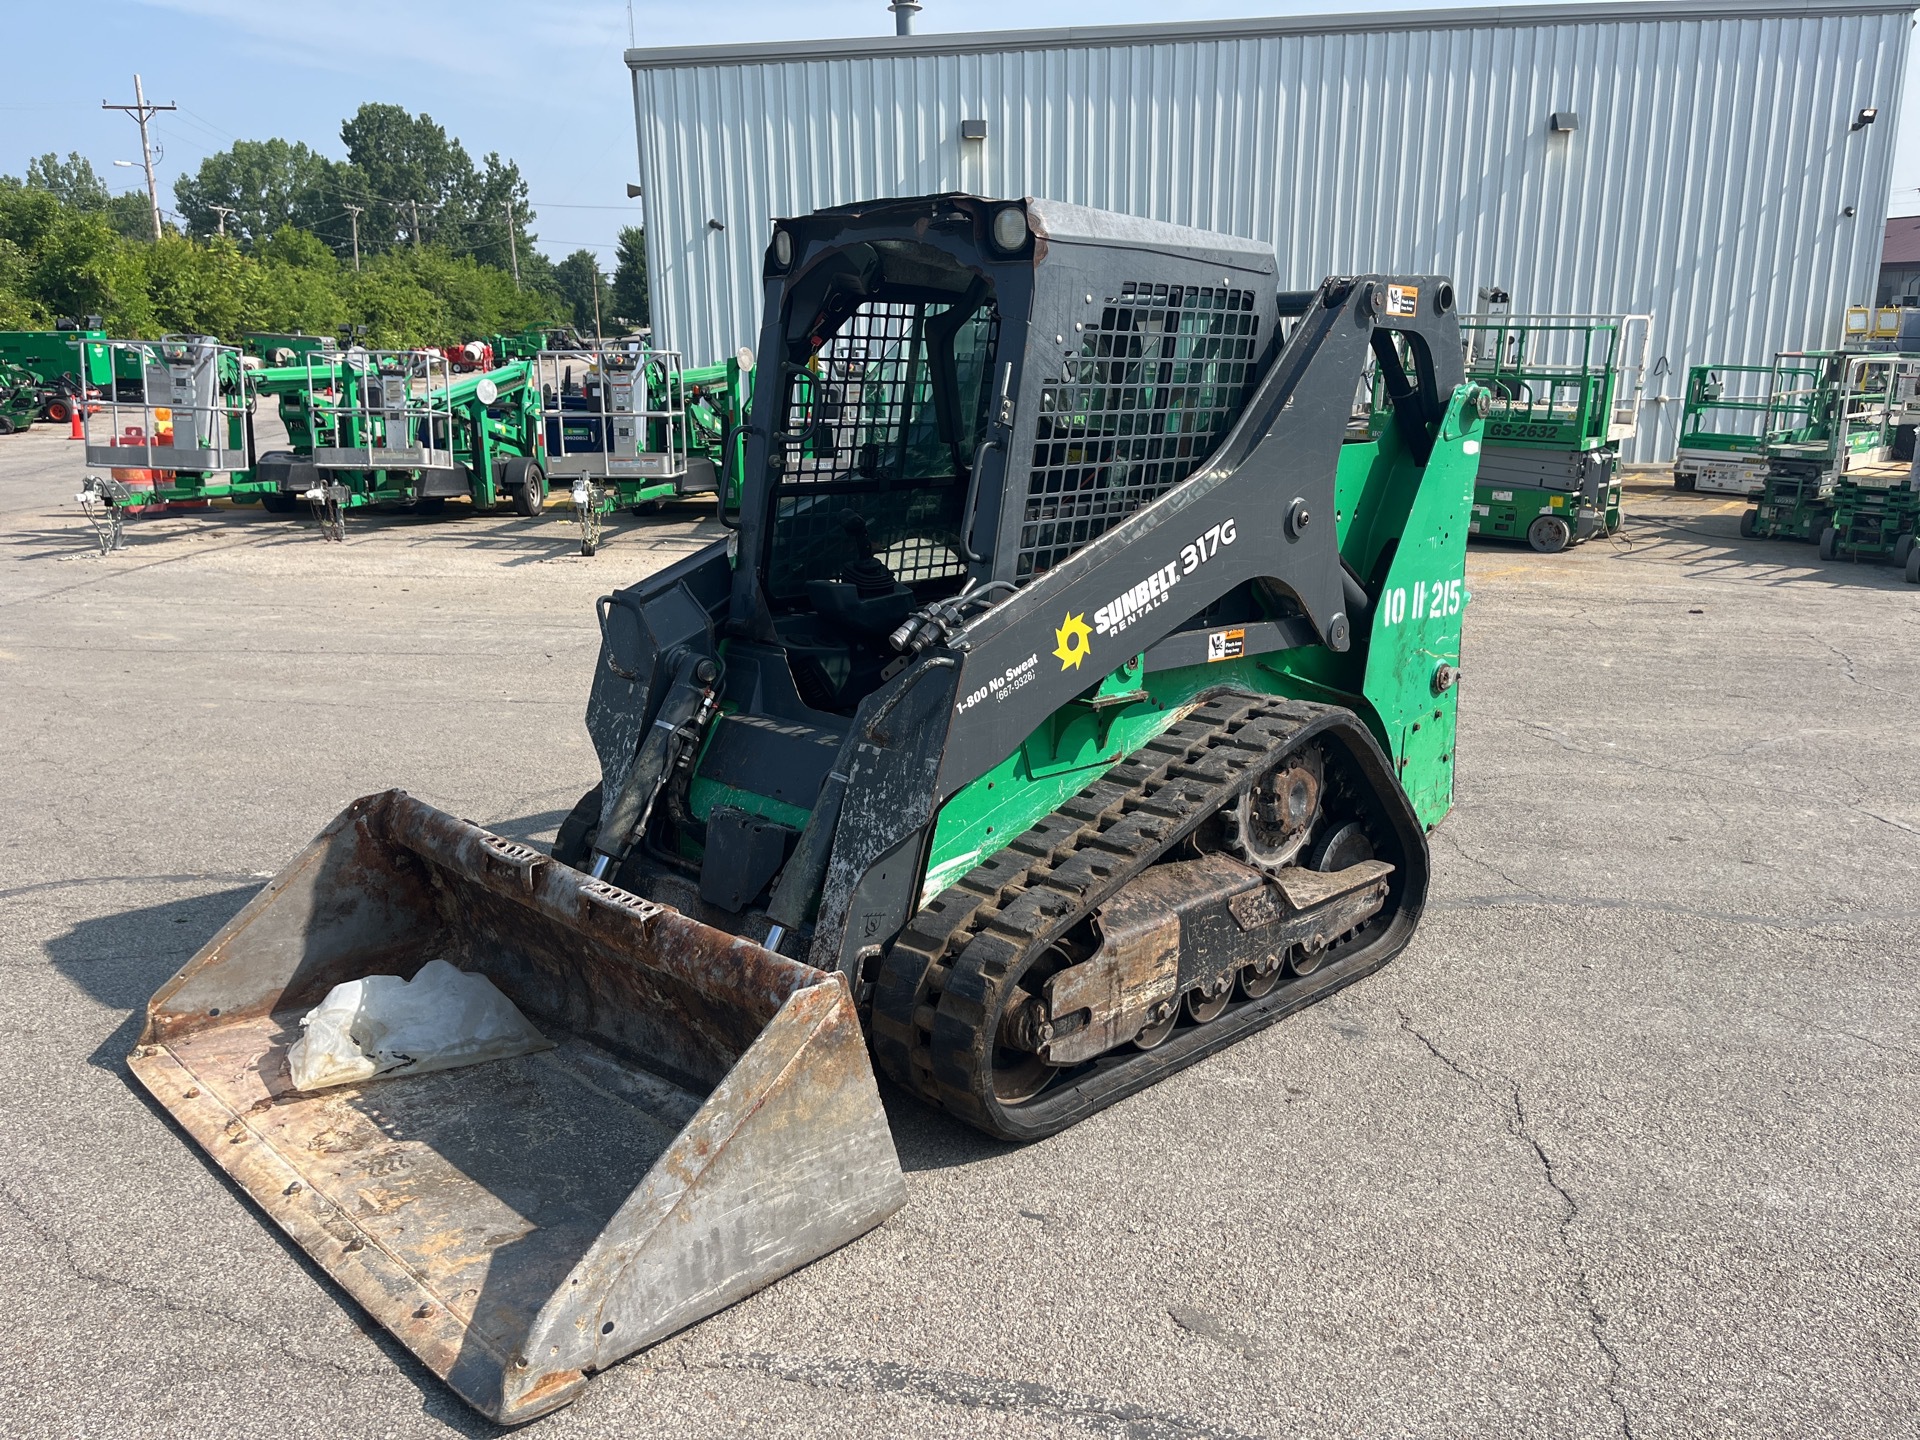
(1072, 701)
(627, 428)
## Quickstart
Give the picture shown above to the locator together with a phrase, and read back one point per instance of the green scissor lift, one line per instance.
(1831, 419)
(1723, 427)
(1566, 392)
(629, 427)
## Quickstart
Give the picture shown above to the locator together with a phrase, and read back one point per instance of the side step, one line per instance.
(707, 1123)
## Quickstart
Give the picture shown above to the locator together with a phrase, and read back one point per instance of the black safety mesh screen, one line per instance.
(861, 453)
(1156, 384)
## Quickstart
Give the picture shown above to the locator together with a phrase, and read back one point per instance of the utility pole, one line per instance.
(143, 112)
(599, 340)
(222, 212)
(513, 248)
(353, 215)
(416, 223)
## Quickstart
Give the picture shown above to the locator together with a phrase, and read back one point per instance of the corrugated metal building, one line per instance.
(1720, 174)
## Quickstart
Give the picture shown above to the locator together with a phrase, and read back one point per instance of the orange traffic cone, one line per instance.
(78, 431)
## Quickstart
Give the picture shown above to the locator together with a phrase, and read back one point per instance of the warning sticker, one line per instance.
(1403, 301)
(1226, 645)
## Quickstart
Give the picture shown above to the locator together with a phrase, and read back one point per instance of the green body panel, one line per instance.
(1868, 520)
(703, 795)
(1504, 512)
(48, 354)
(1402, 528)
(1794, 505)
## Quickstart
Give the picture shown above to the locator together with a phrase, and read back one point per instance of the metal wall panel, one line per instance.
(1707, 183)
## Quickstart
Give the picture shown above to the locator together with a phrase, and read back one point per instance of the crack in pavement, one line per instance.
(1517, 1126)
(976, 1392)
(1885, 819)
(1487, 865)
(61, 1248)
(1867, 1040)
(1596, 1318)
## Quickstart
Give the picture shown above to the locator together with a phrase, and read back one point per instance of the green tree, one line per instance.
(631, 302)
(574, 280)
(266, 184)
(72, 181)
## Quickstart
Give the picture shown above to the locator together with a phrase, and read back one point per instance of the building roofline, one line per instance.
(1596, 12)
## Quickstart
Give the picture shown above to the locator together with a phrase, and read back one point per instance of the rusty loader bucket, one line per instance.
(706, 1122)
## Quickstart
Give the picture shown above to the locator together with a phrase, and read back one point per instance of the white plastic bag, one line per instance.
(382, 1025)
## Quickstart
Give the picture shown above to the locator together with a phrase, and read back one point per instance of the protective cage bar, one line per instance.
(613, 412)
(187, 411)
(861, 418)
(1158, 379)
(390, 410)
(1583, 371)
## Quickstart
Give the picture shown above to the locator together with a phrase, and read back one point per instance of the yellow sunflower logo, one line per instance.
(1071, 642)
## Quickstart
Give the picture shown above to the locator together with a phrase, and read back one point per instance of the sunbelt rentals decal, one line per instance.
(1073, 638)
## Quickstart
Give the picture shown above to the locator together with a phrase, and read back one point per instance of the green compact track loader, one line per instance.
(1072, 700)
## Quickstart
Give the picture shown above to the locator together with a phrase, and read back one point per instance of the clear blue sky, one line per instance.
(541, 81)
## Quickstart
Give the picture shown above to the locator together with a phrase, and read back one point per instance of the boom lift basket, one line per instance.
(392, 410)
(707, 1122)
(186, 410)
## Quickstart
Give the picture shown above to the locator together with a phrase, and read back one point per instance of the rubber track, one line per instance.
(943, 978)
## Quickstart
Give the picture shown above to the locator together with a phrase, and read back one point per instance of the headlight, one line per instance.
(1010, 230)
(782, 248)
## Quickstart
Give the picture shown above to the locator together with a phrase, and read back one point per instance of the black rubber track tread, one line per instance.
(954, 960)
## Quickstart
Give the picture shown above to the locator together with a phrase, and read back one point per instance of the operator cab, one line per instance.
(886, 361)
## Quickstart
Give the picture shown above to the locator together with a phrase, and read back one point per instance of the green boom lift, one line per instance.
(1059, 714)
(397, 427)
(628, 427)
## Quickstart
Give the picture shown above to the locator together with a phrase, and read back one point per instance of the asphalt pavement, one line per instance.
(1623, 1144)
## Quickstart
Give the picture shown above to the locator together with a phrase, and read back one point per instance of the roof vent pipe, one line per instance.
(903, 13)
